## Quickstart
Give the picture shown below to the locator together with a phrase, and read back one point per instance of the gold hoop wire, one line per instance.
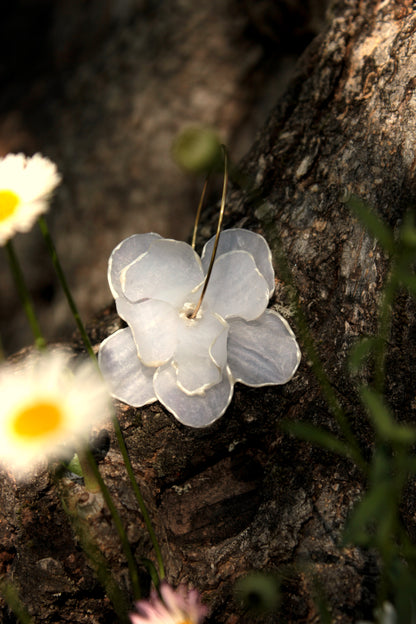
(217, 235)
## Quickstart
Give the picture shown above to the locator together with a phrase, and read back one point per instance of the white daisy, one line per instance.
(47, 409)
(26, 185)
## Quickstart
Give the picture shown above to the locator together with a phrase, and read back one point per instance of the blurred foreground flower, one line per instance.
(191, 364)
(46, 409)
(26, 185)
(386, 614)
(182, 606)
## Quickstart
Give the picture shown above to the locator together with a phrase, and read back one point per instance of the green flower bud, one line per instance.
(258, 592)
(197, 149)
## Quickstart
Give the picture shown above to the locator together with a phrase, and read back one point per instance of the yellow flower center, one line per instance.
(37, 420)
(8, 204)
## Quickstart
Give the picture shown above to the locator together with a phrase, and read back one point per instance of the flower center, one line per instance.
(8, 204)
(187, 313)
(37, 420)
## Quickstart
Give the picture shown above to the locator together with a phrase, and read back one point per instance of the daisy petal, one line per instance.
(40, 177)
(196, 410)
(154, 327)
(169, 606)
(236, 287)
(26, 186)
(263, 351)
(11, 169)
(168, 271)
(127, 378)
(245, 240)
(128, 250)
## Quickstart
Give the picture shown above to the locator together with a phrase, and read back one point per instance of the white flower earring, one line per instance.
(196, 325)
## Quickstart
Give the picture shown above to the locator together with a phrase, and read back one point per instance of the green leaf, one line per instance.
(409, 464)
(11, 596)
(403, 581)
(381, 465)
(370, 517)
(408, 230)
(408, 280)
(316, 435)
(385, 425)
(75, 466)
(362, 351)
(372, 223)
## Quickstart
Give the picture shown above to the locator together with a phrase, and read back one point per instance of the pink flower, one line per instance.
(180, 606)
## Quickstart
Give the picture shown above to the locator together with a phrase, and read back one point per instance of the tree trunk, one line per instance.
(242, 495)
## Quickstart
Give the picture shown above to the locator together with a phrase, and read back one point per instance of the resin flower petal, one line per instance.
(47, 409)
(236, 287)
(201, 353)
(168, 271)
(264, 351)
(26, 186)
(198, 410)
(154, 325)
(127, 378)
(243, 240)
(124, 254)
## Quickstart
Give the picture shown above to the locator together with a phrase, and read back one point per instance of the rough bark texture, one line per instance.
(242, 495)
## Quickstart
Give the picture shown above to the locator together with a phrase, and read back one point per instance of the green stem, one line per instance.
(92, 476)
(217, 236)
(24, 295)
(89, 479)
(11, 597)
(149, 565)
(384, 330)
(118, 524)
(139, 497)
(61, 276)
(90, 482)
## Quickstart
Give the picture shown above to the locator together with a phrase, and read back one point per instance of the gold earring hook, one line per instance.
(217, 235)
(198, 212)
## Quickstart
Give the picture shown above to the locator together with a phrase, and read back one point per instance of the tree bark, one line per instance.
(242, 495)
